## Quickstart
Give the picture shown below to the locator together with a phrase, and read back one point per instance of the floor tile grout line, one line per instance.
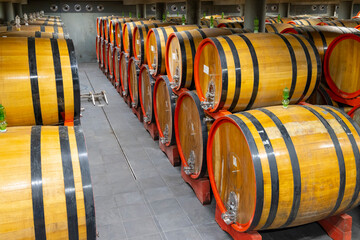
(116, 137)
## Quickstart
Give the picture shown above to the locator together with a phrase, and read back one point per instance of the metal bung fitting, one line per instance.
(229, 217)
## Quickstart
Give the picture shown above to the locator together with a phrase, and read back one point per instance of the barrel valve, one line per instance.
(191, 164)
(165, 138)
(210, 97)
(133, 104)
(146, 119)
(229, 216)
(3, 123)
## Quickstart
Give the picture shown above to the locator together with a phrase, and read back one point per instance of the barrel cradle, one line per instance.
(133, 82)
(273, 167)
(39, 28)
(123, 66)
(146, 90)
(341, 23)
(46, 70)
(244, 71)
(139, 39)
(156, 45)
(341, 63)
(164, 102)
(45, 184)
(321, 36)
(180, 53)
(127, 32)
(191, 126)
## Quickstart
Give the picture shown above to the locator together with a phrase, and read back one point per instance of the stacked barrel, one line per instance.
(233, 105)
(45, 179)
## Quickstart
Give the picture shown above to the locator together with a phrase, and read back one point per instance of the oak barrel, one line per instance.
(46, 23)
(39, 28)
(341, 65)
(191, 133)
(127, 32)
(36, 34)
(180, 53)
(133, 82)
(250, 70)
(273, 167)
(321, 36)
(123, 66)
(45, 184)
(309, 21)
(47, 73)
(231, 25)
(110, 56)
(156, 45)
(164, 102)
(146, 89)
(139, 40)
(116, 64)
(277, 27)
(354, 113)
(341, 23)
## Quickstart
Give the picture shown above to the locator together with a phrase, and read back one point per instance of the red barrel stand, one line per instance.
(172, 153)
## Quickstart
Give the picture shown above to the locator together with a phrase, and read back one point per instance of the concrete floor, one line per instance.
(138, 193)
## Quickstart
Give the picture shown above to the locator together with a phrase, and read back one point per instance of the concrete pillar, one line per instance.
(160, 10)
(255, 9)
(2, 12)
(18, 9)
(193, 11)
(284, 9)
(140, 10)
(345, 9)
(331, 10)
(242, 10)
(9, 12)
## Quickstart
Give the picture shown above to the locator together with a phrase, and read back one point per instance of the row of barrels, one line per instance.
(251, 156)
(45, 185)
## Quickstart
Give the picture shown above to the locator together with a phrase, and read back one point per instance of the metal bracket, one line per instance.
(92, 96)
(210, 97)
(191, 163)
(146, 119)
(208, 119)
(229, 216)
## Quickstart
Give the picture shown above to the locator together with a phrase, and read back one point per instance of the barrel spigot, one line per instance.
(165, 137)
(285, 102)
(146, 119)
(133, 104)
(124, 93)
(229, 217)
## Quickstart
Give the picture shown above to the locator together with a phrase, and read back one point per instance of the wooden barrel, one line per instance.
(180, 53)
(321, 36)
(106, 26)
(116, 64)
(309, 21)
(357, 15)
(322, 97)
(218, 21)
(191, 133)
(156, 45)
(45, 184)
(236, 18)
(111, 55)
(139, 39)
(33, 28)
(164, 108)
(280, 167)
(103, 48)
(97, 47)
(46, 23)
(133, 82)
(275, 20)
(128, 29)
(98, 26)
(241, 71)
(106, 47)
(36, 34)
(146, 89)
(277, 27)
(231, 25)
(114, 38)
(124, 60)
(341, 65)
(358, 27)
(354, 113)
(46, 70)
(341, 23)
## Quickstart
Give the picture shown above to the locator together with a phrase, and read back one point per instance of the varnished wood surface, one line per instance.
(264, 62)
(111, 55)
(287, 167)
(124, 73)
(191, 132)
(164, 107)
(321, 36)
(277, 27)
(146, 89)
(33, 28)
(307, 22)
(321, 97)
(45, 23)
(133, 81)
(116, 60)
(181, 49)
(342, 23)
(46, 190)
(140, 37)
(156, 46)
(32, 34)
(341, 65)
(32, 89)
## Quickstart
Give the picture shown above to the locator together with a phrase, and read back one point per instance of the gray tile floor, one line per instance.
(138, 193)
